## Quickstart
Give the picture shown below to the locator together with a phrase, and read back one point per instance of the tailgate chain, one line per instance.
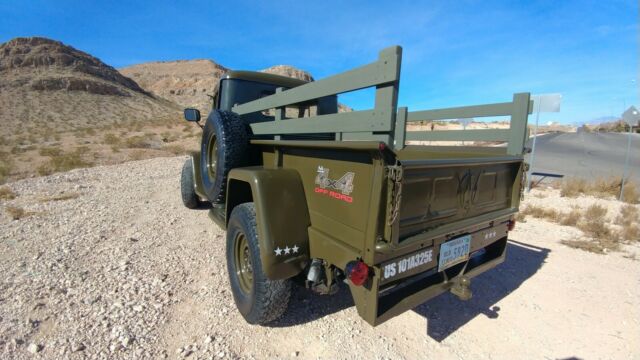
(395, 173)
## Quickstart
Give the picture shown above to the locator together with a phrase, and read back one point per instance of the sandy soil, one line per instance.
(123, 270)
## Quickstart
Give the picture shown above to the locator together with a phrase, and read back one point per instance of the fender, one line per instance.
(281, 213)
(197, 178)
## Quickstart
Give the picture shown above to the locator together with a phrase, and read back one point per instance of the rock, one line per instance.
(208, 340)
(75, 347)
(34, 348)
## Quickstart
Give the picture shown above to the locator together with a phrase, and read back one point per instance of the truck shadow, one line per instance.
(445, 314)
(306, 306)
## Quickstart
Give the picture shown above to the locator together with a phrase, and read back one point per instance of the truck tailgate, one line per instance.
(440, 192)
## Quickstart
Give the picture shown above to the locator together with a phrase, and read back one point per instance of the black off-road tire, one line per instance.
(225, 145)
(189, 197)
(267, 299)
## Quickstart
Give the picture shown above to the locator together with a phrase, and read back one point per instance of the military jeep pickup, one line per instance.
(312, 196)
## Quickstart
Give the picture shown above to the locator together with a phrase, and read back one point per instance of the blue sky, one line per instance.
(455, 52)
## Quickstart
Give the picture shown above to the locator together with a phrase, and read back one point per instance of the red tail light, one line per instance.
(511, 224)
(357, 272)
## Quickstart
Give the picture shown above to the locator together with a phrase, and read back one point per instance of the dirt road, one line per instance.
(122, 270)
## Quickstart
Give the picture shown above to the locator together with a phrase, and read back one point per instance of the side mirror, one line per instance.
(192, 114)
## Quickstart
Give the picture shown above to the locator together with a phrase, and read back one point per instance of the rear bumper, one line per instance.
(378, 302)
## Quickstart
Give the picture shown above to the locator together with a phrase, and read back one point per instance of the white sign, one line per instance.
(546, 102)
(631, 116)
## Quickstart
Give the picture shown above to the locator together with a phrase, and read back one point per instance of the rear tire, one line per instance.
(258, 299)
(187, 188)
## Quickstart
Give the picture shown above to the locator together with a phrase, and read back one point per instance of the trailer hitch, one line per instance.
(461, 288)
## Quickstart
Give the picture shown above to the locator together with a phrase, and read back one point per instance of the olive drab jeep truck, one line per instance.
(312, 196)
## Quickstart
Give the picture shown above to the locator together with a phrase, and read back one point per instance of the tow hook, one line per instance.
(461, 288)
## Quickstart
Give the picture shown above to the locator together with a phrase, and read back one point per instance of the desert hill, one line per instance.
(191, 83)
(187, 83)
(47, 83)
(62, 108)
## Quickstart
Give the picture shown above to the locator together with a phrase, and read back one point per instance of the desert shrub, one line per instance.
(175, 149)
(571, 218)
(138, 155)
(111, 139)
(60, 197)
(594, 224)
(50, 151)
(17, 213)
(628, 214)
(630, 232)
(6, 193)
(6, 165)
(631, 194)
(608, 186)
(541, 213)
(592, 245)
(65, 162)
(573, 187)
(137, 142)
(603, 187)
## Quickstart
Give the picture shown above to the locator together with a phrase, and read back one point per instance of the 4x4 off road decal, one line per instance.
(325, 184)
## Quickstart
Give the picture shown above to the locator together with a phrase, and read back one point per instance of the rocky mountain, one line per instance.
(289, 71)
(188, 83)
(46, 82)
(191, 83)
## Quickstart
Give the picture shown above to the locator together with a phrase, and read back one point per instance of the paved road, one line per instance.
(587, 155)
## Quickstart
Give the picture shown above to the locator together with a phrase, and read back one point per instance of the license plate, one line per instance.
(454, 252)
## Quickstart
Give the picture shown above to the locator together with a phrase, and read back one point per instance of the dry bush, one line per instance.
(175, 149)
(50, 151)
(111, 139)
(141, 142)
(5, 169)
(594, 224)
(572, 218)
(572, 187)
(541, 213)
(630, 232)
(601, 188)
(610, 186)
(631, 194)
(6, 193)
(592, 245)
(17, 213)
(65, 162)
(60, 197)
(138, 155)
(628, 214)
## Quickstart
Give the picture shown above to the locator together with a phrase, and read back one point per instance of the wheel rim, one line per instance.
(212, 155)
(243, 266)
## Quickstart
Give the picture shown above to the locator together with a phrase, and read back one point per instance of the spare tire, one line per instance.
(225, 145)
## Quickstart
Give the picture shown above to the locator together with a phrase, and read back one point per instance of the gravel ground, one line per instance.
(121, 270)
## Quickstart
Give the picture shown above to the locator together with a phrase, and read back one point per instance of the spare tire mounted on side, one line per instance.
(225, 145)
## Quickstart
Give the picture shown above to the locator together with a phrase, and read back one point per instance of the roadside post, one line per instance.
(631, 117)
(541, 103)
(465, 122)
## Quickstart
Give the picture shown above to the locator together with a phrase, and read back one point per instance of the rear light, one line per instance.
(511, 224)
(357, 272)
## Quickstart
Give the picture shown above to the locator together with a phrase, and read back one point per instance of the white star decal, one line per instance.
(278, 251)
(295, 249)
(287, 250)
